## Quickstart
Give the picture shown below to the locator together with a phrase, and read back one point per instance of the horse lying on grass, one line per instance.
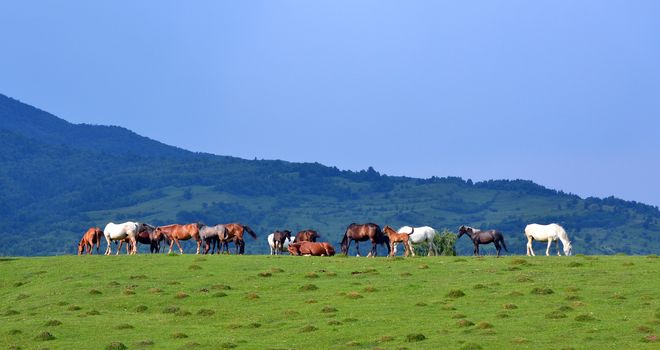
(311, 248)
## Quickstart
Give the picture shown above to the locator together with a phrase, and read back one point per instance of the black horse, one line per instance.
(483, 237)
(358, 233)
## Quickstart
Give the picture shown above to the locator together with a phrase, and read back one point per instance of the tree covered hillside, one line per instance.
(57, 179)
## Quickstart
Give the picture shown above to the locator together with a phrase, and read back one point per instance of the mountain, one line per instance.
(58, 178)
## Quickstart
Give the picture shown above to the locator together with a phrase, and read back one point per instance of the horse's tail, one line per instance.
(411, 231)
(344, 241)
(249, 230)
(503, 245)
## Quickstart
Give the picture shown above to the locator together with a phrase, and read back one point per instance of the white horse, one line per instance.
(550, 233)
(421, 234)
(118, 232)
(284, 247)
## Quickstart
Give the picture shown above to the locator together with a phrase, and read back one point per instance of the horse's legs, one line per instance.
(108, 249)
(393, 247)
(498, 247)
(199, 245)
(530, 239)
(171, 245)
(178, 245)
(557, 245)
(373, 251)
(357, 247)
(547, 251)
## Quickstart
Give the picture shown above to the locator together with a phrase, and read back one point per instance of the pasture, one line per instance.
(285, 302)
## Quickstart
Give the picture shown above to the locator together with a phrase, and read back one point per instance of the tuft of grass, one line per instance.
(448, 307)
(124, 326)
(251, 296)
(510, 306)
(141, 308)
(173, 283)
(155, 290)
(523, 278)
(22, 296)
(181, 295)
(276, 270)
(585, 318)
(423, 266)
(115, 345)
(221, 287)
(555, 315)
(194, 267)
(645, 329)
(415, 337)
(354, 295)
(113, 284)
(146, 342)
(350, 319)
(572, 297)
(334, 323)
(518, 261)
(44, 336)
(311, 301)
(52, 323)
(458, 315)
(542, 291)
(455, 293)
(328, 309)
(421, 303)
(205, 312)
(265, 274)
(138, 277)
(519, 340)
(308, 287)
(369, 289)
(352, 343)
(92, 313)
(311, 275)
(171, 309)
(183, 313)
(406, 274)
(385, 339)
(129, 291)
(219, 294)
(502, 315)
(227, 345)
(308, 328)
(618, 296)
(179, 335)
(15, 332)
(471, 346)
(479, 286)
(95, 292)
(254, 325)
(484, 325)
(575, 264)
(650, 338)
(11, 312)
(565, 308)
(628, 263)
(73, 308)
(464, 323)
(515, 293)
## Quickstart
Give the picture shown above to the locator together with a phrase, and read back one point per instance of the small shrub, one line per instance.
(585, 318)
(44, 336)
(181, 295)
(308, 328)
(115, 345)
(95, 292)
(179, 335)
(464, 323)
(205, 312)
(510, 306)
(455, 293)
(308, 287)
(415, 337)
(542, 291)
(52, 323)
(555, 315)
(328, 309)
(141, 308)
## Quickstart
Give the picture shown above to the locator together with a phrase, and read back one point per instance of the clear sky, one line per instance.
(564, 93)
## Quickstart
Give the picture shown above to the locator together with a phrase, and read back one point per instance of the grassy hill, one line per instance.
(284, 302)
(57, 179)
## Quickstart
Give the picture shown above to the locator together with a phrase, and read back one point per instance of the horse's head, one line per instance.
(461, 231)
(287, 234)
(568, 248)
(81, 247)
(294, 248)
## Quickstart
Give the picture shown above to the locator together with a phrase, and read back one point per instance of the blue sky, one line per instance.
(564, 93)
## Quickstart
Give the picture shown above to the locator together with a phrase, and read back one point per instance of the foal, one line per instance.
(396, 237)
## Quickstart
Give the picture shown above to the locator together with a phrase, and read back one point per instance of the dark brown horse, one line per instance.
(483, 237)
(279, 237)
(235, 233)
(363, 232)
(307, 236)
(175, 233)
(396, 237)
(147, 236)
(311, 248)
(90, 238)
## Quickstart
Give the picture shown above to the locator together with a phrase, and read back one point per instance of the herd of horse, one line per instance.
(216, 238)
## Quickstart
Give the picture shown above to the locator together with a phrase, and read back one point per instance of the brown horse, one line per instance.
(279, 237)
(311, 248)
(363, 232)
(175, 233)
(234, 234)
(307, 236)
(396, 237)
(483, 237)
(90, 238)
(146, 235)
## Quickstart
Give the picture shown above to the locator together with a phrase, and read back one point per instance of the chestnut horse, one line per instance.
(307, 236)
(363, 232)
(90, 238)
(483, 237)
(311, 248)
(234, 234)
(175, 233)
(396, 237)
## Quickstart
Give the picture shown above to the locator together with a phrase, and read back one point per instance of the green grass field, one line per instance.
(264, 302)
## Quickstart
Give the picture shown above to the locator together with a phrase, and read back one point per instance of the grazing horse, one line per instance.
(362, 232)
(212, 235)
(90, 238)
(421, 234)
(307, 236)
(118, 232)
(483, 237)
(175, 233)
(550, 233)
(146, 236)
(235, 233)
(278, 241)
(396, 237)
(311, 248)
